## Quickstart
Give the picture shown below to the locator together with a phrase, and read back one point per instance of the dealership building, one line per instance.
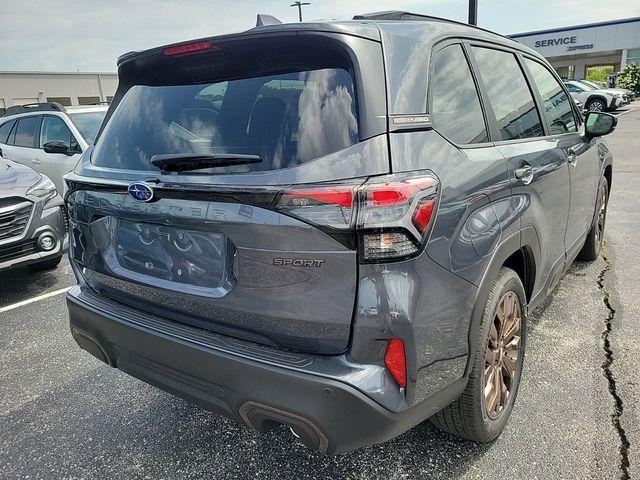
(572, 50)
(67, 88)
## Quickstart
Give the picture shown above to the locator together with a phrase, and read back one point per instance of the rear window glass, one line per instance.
(88, 124)
(286, 118)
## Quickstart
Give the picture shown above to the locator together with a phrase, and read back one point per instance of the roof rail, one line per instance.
(402, 15)
(34, 107)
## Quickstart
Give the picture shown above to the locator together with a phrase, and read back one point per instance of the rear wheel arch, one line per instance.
(508, 253)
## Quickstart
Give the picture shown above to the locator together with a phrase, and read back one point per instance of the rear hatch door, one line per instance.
(220, 192)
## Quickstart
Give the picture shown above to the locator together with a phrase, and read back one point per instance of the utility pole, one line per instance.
(473, 12)
(299, 4)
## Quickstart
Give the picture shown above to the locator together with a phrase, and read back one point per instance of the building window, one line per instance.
(633, 56)
(566, 73)
(65, 101)
(88, 100)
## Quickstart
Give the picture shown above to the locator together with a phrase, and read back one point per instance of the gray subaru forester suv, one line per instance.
(339, 227)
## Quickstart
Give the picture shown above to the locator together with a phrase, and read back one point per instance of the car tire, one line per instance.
(45, 265)
(480, 416)
(593, 244)
(596, 105)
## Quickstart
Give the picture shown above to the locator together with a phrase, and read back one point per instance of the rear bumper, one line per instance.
(328, 415)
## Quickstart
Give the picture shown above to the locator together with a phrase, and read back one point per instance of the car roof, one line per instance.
(67, 110)
(87, 108)
(371, 26)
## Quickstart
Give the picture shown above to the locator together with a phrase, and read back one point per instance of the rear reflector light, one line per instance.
(190, 48)
(395, 361)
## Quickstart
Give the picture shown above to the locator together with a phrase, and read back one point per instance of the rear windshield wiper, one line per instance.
(183, 162)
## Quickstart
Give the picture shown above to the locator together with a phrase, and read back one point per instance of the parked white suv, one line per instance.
(594, 100)
(49, 137)
(628, 95)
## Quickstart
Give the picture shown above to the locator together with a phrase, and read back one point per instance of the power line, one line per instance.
(299, 4)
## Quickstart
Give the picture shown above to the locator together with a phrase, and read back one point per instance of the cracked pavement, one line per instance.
(621, 280)
(64, 414)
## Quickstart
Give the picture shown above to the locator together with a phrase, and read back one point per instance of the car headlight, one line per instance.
(44, 189)
(617, 95)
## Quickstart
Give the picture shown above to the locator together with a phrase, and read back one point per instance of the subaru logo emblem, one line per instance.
(140, 192)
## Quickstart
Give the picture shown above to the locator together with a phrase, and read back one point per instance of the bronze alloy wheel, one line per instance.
(501, 354)
(602, 214)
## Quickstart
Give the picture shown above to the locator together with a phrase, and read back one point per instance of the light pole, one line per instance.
(473, 12)
(299, 4)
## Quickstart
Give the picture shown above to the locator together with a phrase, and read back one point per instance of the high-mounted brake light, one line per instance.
(396, 362)
(187, 48)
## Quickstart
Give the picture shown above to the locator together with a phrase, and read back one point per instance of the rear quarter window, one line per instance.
(5, 130)
(26, 132)
(455, 106)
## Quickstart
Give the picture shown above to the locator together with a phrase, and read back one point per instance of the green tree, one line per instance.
(630, 78)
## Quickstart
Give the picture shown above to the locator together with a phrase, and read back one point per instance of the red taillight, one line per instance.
(392, 193)
(341, 196)
(391, 213)
(323, 205)
(394, 214)
(422, 214)
(395, 360)
(190, 48)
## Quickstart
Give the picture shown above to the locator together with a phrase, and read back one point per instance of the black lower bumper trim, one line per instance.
(327, 415)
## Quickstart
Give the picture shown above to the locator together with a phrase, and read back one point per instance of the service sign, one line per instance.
(605, 37)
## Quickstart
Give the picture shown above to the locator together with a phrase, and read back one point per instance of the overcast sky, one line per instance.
(88, 35)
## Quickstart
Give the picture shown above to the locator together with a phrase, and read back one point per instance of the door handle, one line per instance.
(572, 156)
(35, 161)
(525, 174)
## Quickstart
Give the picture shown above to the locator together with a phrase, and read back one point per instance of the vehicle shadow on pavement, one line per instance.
(21, 283)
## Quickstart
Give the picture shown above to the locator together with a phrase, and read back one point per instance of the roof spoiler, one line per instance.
(263, 20)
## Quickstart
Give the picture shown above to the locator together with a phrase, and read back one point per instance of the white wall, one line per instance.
(17, 88)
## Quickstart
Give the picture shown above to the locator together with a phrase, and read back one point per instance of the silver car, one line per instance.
(49, 137)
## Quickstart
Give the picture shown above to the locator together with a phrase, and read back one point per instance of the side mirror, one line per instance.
(597, 124)
(57, 147)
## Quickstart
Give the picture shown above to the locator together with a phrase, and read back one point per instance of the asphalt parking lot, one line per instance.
(64, 414)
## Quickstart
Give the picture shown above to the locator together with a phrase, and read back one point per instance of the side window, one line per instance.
(455, 106)
(5, 130)
(557, 104)
(26, 132)
(55, 130)
(508, 93)
(572, 88)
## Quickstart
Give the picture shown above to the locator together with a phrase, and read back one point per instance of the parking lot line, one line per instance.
(34, 299)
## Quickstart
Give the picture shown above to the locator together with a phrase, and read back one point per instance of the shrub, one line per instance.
(630, 78)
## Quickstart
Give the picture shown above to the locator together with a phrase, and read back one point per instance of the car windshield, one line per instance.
(88, 123)
(594, 86)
